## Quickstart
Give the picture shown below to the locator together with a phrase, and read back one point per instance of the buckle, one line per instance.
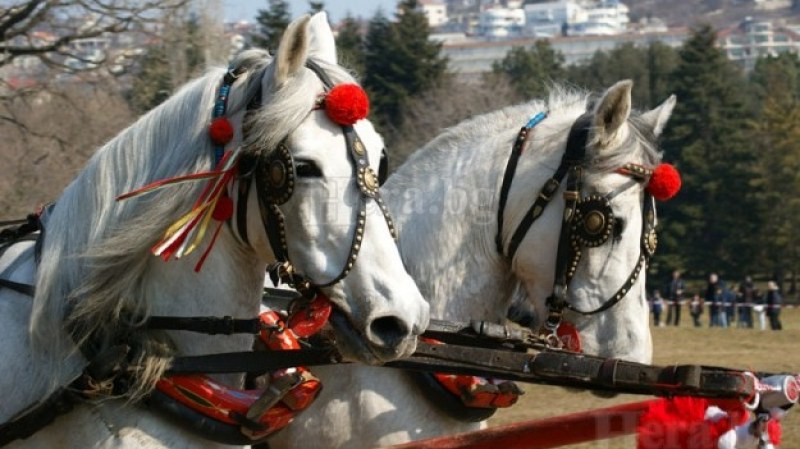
(548, 189)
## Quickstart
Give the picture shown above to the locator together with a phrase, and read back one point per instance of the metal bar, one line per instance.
(547, 433)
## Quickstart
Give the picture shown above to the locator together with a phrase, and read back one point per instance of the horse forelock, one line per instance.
(638, 145)
(286, 107)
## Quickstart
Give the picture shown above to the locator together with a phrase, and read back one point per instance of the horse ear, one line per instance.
(292, 50)
(657, 118)
(323, 45)
(612, 110)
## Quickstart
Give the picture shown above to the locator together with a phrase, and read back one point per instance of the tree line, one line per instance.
(733, 135)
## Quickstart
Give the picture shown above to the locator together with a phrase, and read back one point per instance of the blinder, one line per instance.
(594, 221)
(275, 175)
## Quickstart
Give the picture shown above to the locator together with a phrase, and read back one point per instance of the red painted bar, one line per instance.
(546, 433)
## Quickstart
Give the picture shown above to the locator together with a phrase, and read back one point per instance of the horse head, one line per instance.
(239, 169)
(606, 234)
(334, 227)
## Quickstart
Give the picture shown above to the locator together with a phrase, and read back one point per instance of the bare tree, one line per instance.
(45, 44)
(443, 106)
(64, 82)
(35, 169)
(46, 29)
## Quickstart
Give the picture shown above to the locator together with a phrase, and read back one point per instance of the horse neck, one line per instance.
(97, 247)
(230, 283)
(445, 202)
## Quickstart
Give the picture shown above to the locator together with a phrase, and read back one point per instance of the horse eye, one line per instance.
(307, 169)
(619, 226)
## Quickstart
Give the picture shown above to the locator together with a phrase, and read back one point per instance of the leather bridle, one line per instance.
(274, 173)
(587, 221)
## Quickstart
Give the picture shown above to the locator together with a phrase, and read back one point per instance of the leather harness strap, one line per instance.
(28, 229)
(25, 289)
(30, 420)
(575, 231)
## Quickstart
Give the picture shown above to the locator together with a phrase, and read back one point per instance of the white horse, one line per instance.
(446, 198)
(96, 278)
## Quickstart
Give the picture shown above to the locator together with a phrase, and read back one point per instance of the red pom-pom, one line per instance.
(220, 131)
(679, 423)
(224, 208)
(665, 182)
(346, 104)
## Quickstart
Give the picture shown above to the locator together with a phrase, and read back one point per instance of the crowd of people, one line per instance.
(726, 306)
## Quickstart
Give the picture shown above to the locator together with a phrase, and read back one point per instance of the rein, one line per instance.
(587, 222)
(494, 350)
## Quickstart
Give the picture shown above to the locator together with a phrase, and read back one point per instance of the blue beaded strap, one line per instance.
(536, 119)
(221, 104)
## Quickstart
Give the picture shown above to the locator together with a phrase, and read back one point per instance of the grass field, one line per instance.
(732, 347)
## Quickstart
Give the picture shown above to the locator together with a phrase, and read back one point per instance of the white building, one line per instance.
(499, 23)
(606, 18)
(435, 11)
(576, 18)
(473, 57)
(552, 18)
(753, 39)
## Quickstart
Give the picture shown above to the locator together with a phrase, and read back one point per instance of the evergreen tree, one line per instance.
(777, 130)
(400, 61)
(531, 71)
(153, 84)
(168, 64)
(710, 224)
(661, 63)
(649, 68)
(271, 23)
(350, 44)
(385, 93)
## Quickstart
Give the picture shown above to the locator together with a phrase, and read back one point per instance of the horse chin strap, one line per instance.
(275, 173)
(587, 222)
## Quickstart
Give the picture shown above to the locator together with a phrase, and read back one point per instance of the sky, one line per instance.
(337, 9)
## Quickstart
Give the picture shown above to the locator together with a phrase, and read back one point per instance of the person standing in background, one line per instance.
(760, 309)
(713, 299)
(657, 305)
(696, 309)
(773, 303)
(745, 301)
(674, 294)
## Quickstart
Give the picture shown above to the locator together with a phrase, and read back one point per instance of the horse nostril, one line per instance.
(388, 331)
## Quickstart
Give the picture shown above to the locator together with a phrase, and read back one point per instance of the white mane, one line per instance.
(96, 258)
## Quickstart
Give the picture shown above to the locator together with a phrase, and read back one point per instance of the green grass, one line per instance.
(749, 349)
